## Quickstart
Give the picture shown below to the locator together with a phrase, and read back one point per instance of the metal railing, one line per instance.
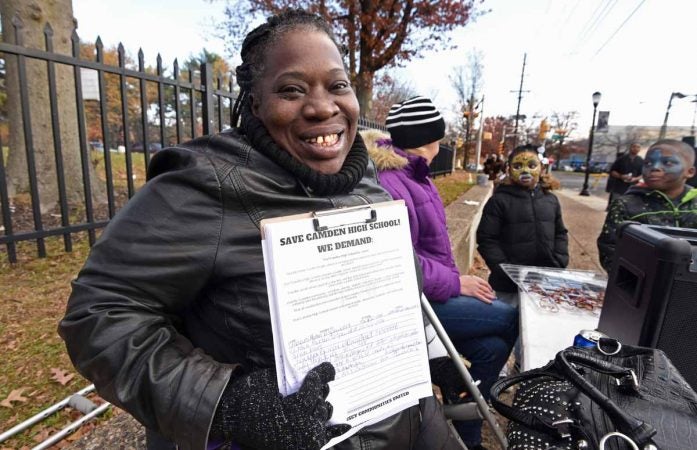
(442, 164)
(208, 102)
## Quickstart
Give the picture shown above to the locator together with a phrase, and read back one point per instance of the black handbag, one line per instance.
(631, 398)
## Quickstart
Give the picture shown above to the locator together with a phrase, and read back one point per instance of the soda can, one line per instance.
(588, 338)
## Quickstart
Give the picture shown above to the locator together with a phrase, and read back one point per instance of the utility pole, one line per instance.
(480, 133)
(520, 97)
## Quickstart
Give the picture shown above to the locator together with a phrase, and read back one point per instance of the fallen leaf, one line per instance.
(61, 376)
(42, 435)
(76, 435)
(15, 396)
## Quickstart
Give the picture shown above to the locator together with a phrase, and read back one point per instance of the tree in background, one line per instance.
(617, 140)
(222, 74)
(497, 126)
(221, 68)
(563, 124)
(388, 91)
(33, 18)
(377, 34)
(112, 94)
(467, 81)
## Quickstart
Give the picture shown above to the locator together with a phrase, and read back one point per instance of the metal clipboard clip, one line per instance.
(327, 215)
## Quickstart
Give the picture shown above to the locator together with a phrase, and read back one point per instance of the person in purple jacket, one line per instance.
(482, 328)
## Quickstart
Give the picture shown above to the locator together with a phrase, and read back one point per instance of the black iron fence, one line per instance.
(442, 164)
(137, 111)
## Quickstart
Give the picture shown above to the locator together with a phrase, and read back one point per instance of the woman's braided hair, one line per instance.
(257, 43)
(254, 50)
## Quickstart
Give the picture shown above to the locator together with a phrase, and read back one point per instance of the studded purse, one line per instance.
(586, 399)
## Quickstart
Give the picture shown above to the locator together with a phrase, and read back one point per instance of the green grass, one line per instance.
(451, 187)
(34, 294)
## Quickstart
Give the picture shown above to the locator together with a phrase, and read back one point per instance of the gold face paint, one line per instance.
(525, 169)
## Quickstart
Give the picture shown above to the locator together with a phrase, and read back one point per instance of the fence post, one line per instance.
(207, 97)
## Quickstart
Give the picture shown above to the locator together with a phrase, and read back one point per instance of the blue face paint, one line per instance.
(669, 163)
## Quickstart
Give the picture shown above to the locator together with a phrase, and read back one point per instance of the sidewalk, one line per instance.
(584, 218)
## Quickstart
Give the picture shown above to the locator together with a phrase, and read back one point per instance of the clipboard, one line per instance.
(333, 218)
(342, 288)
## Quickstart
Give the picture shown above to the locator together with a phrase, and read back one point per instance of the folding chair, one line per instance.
(467, 411)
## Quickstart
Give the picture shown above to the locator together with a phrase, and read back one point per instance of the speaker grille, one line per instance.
(678, 334)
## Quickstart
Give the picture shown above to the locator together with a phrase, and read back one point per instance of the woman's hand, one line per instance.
(477, 288)
(252, 412)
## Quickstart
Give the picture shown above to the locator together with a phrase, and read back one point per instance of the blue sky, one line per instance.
(571, 52)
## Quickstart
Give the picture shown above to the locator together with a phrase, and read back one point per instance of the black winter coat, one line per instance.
(521, 226)
(173, 296)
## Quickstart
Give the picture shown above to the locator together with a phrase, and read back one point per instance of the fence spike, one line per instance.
(159, 64)
(122, 55)
(48, 29)
(17, 21)
(18, 24)
(100, 49)
(175, 67)
(141, 60)
(76, 43)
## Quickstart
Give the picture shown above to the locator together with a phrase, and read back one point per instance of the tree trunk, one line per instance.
(364, 91)
(34, 16)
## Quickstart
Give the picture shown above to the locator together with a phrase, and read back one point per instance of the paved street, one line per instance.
(574, 181)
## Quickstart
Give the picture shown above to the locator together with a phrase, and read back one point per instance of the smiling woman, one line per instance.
(170, 316)
(308, 106)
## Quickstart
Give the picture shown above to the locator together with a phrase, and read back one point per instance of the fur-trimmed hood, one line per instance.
(381, 150)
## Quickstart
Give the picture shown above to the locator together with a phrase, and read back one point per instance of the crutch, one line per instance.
(76, 401)
(468, 411)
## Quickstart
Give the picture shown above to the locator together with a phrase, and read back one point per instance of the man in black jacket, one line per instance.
(625, 172)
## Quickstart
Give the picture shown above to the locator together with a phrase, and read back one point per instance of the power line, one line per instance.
(602, 17)
(588, 23)
(619, 28)
(573, 10)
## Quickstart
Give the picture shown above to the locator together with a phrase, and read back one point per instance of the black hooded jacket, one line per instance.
(521, 226)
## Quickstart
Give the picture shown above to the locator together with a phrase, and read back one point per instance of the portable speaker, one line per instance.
(651, 295)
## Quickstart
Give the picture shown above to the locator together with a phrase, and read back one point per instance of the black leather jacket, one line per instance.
(172, 298)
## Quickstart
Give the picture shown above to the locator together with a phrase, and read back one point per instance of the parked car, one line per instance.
(97, 146)
(153, 147)
(600, 167)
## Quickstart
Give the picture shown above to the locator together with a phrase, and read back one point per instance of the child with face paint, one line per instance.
(662, 199)
(522, 223)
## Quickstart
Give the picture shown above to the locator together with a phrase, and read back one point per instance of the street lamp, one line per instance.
(596, 100)
(662, 134)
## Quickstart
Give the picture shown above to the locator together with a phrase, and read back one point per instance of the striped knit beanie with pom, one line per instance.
(415, 122)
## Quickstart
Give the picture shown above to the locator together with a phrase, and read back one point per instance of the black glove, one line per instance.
(253, 413)
(445, 375)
